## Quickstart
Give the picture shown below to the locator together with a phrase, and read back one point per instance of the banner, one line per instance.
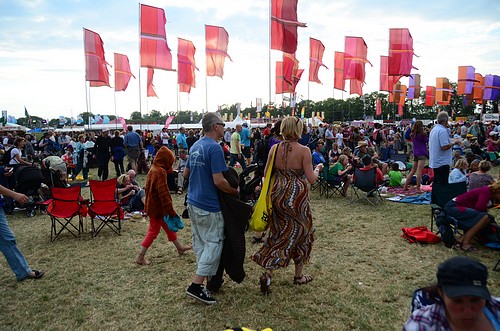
(316, 50)
(168, 121)
(284, 25)
(122, 72)
(258, 104)
(150, 87)
(186, 64)
(96, 69)
(124, 124)
(155, 52)
(216, 41)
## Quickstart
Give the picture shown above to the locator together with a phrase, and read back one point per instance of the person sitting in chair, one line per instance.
(369, 164)
(470, 210)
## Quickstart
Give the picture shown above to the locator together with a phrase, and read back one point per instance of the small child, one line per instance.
(70, 159)
(395, 176)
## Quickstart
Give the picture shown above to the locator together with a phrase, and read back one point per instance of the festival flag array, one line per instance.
(316, 50)
(466, 78)
(288, 74)
(400, 52)
(186, 65)
(384, 73)
(155, 52)
(122, 72)
(150, 87)
(338, 76)
(217, 40)
(284, 25)
(96, 70)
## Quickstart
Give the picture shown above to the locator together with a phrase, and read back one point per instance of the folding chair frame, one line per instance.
(327, 184)
(361, 191)
(112, 217)
(65, 221)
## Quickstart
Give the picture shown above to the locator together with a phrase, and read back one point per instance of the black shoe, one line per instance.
(200, 293)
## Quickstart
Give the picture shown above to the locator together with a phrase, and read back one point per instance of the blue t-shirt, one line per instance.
(181, 140)
(439, 137)
(206, 158)
(132, 139)
(245, 137)
(317, 158)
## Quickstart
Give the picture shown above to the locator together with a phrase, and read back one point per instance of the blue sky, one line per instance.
(42, 59)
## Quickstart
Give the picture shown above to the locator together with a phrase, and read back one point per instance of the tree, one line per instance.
(135, 115)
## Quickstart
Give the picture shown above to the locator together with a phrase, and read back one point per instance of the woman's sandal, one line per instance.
(265, 283)
(301, 280)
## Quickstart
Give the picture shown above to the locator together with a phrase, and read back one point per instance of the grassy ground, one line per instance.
(364, 274)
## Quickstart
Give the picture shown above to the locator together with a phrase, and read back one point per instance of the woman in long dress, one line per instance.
(291, 232)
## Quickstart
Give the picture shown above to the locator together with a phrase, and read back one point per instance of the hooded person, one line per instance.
(159, 204)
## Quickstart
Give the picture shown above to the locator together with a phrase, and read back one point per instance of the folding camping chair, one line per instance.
(365, 186)
(103, 208)
(441, 195)
(64, 206)
(329, 184)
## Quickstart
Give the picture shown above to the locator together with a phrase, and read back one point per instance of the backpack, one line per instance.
(408, 133)
(6, 157)
(443, 223)
(261, 152)
(420, 234)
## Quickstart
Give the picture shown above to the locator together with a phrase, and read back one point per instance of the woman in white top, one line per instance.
(15, 153)
(459, 172)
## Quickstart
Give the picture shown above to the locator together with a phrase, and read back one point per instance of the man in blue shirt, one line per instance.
(205, 167)
(440, 149)
(181, 139)
(245, 136)
(133, 143)
(317, 157)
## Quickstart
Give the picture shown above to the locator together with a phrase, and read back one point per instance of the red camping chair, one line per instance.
(64, 206)
(103, 207)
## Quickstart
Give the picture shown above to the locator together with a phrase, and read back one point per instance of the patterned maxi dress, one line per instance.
(291, 231)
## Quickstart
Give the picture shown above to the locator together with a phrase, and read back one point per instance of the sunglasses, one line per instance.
(219, 123)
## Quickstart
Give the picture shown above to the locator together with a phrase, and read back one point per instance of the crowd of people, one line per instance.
(201, 159)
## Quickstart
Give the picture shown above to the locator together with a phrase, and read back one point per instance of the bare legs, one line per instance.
(417, 168)
(141, 260)
(465, 240)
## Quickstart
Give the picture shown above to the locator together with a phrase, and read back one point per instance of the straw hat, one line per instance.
(362, 143)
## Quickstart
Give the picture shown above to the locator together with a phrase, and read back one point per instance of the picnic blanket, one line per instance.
(421, 199)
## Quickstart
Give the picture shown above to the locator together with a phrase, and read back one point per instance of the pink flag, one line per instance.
(216, 39)
(122, 72)
(355, 58)
(185, 88)
(124, 124)
(290, 67)
(384, 78)
(400, 109)
(378, 107)
(284, 25)
(96, 66)
(168, 121)
(400, 52)
(155, 52)
(339, 81)
(186, 64)
(316, 50)
(151, 88)
(466, 78)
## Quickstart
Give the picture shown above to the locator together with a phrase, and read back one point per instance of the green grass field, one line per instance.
(364, 274)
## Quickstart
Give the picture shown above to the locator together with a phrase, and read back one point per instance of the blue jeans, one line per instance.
(234, 158)
(8, 246)
(208, 237)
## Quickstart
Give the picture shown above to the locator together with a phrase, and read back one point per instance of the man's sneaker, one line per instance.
(199, 292)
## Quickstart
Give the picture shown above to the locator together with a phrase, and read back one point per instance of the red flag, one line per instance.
(284, 25)
(155, 52)
(124, 124)
(430, 96)
(282, 86)
(355, 58)
(151, 87)
(378, 107)
(290, 67)
(186, 64)
(384, 77)
(400, 52)
(338, 80)
(287, 74)
(356, 87)
(122, 72)
(95, 63)
(168, 121)
(316, 50)
(216, 39)
(400, 109)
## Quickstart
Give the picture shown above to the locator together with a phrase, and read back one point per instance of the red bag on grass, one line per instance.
(420, 234)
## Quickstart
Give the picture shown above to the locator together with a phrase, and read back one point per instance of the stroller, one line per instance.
(249, 184)
(28, 182)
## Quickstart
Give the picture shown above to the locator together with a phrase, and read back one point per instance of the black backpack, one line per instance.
(6, 157)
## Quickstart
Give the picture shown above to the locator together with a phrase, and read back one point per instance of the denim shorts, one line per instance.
(208, 237)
